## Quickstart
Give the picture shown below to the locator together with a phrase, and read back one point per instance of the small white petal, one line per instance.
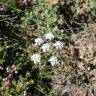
(81, 65)
(36, 58)
(38, 41)
(45, 47)
(58, 45)
(49, 36)
(53, 60)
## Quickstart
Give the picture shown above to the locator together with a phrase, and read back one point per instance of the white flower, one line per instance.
(58, 45)
(53, 60)
(38, 41)
(49, 36)
(36, 58)
(81, 65)
(45, 47)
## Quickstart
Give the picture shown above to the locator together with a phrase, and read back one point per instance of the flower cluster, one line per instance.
(12, 69)
(1, 38)
(53, 60)
(36, 58)
(49, 36)
(3, 8)
(47, 45)
(58, 45)
(9, 46)
(1, 67)
(25, 2)
(7, 81)
(38, 41)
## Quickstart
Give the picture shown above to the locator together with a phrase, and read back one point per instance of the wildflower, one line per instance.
(1, 38)
(58, 45)
(25, 93)
(8, 69)
(38, 41)
(45, 47)
(81, 65)
(34, 1)
(1, 68)
(7, 81)
(49, 36)
(3, 8)
(36, 58)
(8, 46)
(53, 60)
(16, 72)
(13, 67)
(21, 85)
(25, 2)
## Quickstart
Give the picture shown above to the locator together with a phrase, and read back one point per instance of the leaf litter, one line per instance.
(80, 53)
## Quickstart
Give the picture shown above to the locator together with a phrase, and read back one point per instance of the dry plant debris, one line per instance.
(51, 2)
(81, 56)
